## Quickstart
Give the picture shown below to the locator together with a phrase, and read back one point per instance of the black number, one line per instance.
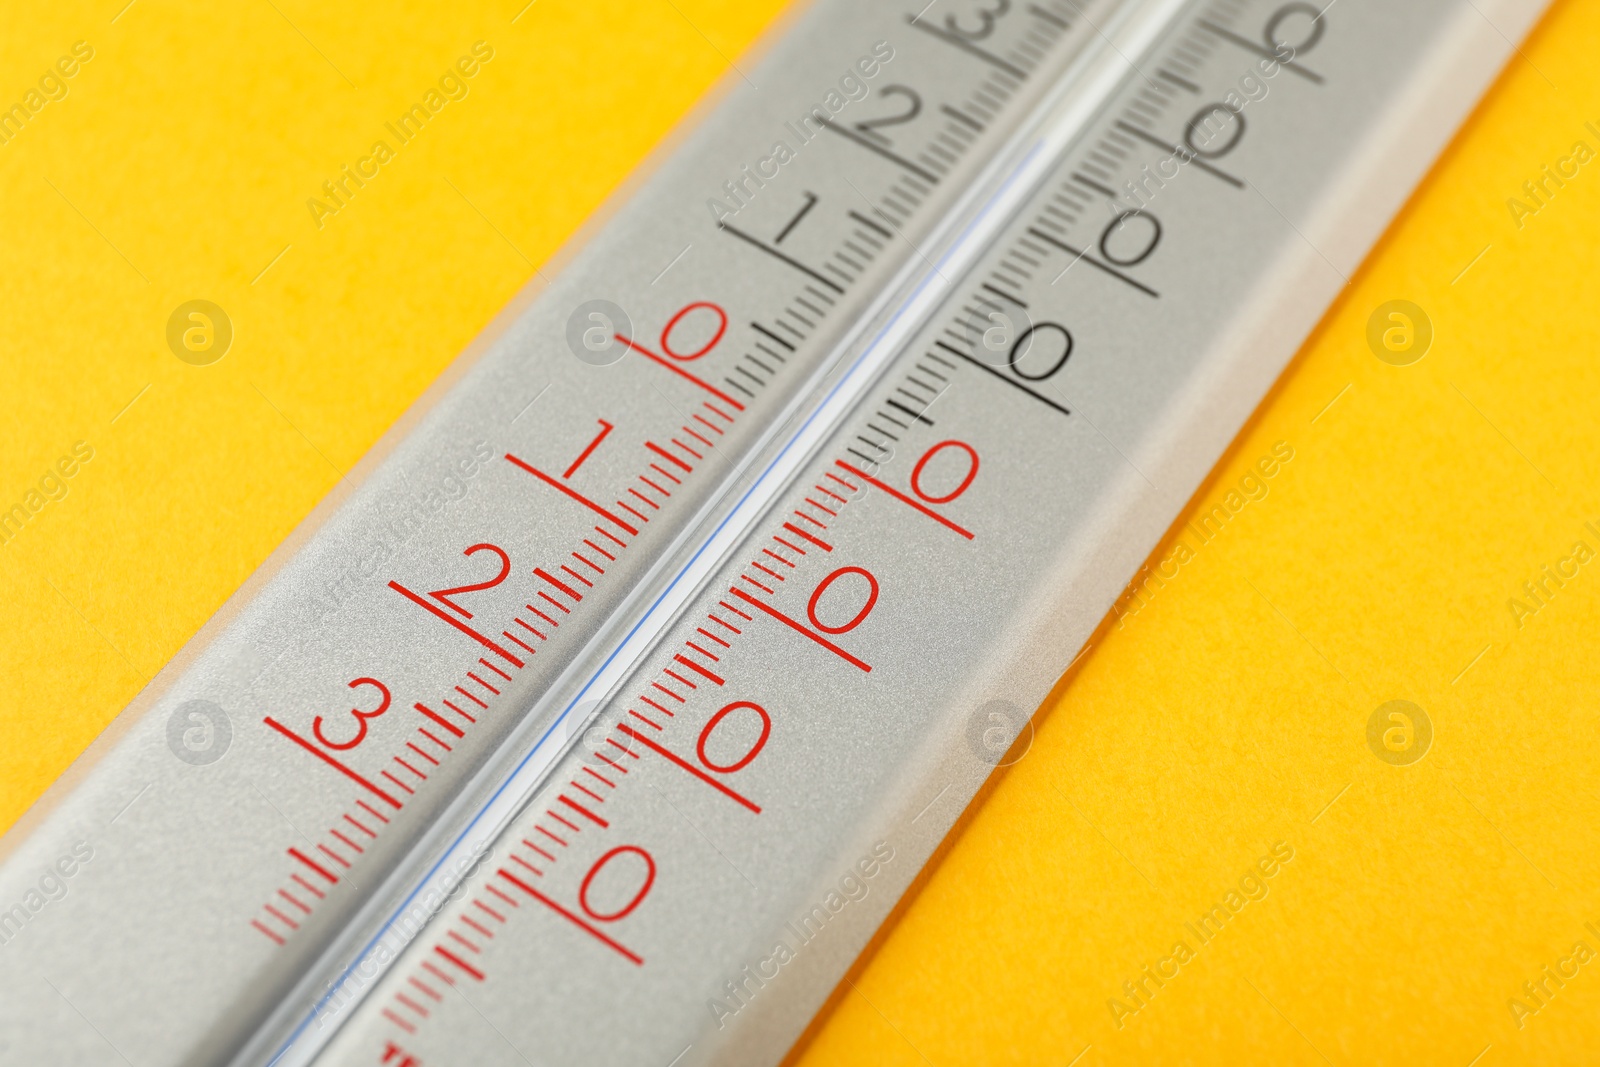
(986, 19)
(1270, 34)
(811, 202)
(1207, 123)
(1120, 224)
(914, 108)
(1022, 352)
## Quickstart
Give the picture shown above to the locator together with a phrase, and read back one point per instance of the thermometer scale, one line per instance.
(608, 715)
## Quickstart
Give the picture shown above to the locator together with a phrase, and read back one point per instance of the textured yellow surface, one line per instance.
(1229, 710)
(1226, 713)
(178, 166)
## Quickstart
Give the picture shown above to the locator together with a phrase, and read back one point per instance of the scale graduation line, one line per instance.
(1071, 112)
(753, 1037)
(841, 656)
(209, 850)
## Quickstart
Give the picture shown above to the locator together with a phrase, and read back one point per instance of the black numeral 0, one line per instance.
(1130, 222)
(1050, 335)
(1270, 34)
(1207, 123)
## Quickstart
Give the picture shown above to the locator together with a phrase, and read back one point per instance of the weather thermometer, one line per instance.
(607, 716)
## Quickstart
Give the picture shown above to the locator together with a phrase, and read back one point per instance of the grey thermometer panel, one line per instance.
(274, 786)
(694, 876)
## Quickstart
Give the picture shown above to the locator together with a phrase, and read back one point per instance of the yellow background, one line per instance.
(1227, 713)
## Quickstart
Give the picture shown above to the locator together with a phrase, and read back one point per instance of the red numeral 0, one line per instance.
(972, 472)
(599, 865)
(755, 749)
(685, 357)
(822, 587)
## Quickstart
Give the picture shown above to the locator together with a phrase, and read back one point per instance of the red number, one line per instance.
(599, 865)
(685, 357)
(443, 595)
(605, 428)
(361, 717)
(755, 749)
(972, 472)
(391, 1050)
(822, 587)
